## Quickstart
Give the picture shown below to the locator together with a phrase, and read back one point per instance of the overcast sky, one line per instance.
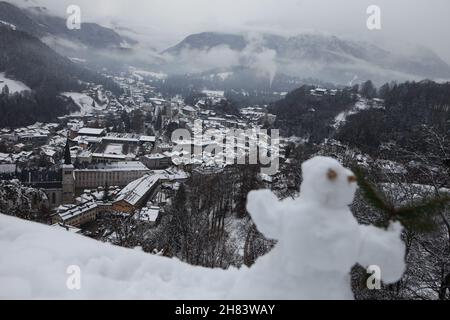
(165, 22)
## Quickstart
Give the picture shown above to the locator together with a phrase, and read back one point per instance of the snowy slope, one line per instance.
(34, 259)
(13, 85)
(84, 102)
(10, 25)
(361, 105)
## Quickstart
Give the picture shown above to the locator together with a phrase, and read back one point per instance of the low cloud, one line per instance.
(169, 21)
(195, 60)
(254, 56)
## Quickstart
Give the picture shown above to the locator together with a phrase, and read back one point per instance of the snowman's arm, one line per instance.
(263, 207)
(385, 249)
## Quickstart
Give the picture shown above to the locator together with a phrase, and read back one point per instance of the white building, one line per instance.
(114, 174)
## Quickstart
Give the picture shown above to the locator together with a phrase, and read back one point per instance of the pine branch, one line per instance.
(375, 198)
(421, 216)
(416, 217)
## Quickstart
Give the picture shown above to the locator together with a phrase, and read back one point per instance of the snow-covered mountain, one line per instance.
(325, 57)
(38, 22)
(26, 59)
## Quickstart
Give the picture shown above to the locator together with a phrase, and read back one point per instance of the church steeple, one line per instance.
(67, 157)
(68, 178)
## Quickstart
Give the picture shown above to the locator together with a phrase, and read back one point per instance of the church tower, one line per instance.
(68, 179)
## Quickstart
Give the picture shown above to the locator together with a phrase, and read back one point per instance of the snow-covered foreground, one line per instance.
(13, 85)
(318, 242)
(34, 260)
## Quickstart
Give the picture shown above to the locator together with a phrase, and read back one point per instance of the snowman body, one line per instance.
(319, 239)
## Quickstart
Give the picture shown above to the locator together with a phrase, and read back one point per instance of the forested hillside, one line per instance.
(306, 115)
(25, 58)
(38, 22)
(408, 108)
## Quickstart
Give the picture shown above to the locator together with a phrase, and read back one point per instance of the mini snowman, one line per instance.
(319, 240)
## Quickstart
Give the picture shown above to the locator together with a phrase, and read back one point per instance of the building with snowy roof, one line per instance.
(149, 215)
(147, 139)
(77, 215)
(92, 132)
(190, 111)
(114, 174)
(136, 194)
(156, 161)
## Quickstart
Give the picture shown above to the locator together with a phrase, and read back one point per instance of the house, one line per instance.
(78, 215)
(319, 92)
(34, 136)
(270, 118)
(19, 147)
(49, 153)
(378, 103)
(136, 194)
(156, 161)
(147, 139)
(150, 215)
(110, 157)
(190, 111)
(165, 147)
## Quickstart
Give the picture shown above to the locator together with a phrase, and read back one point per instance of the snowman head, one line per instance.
(327, 183)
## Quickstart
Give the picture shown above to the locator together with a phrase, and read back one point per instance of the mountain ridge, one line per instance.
(330, 54)
(25, 58)
(37, 22)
